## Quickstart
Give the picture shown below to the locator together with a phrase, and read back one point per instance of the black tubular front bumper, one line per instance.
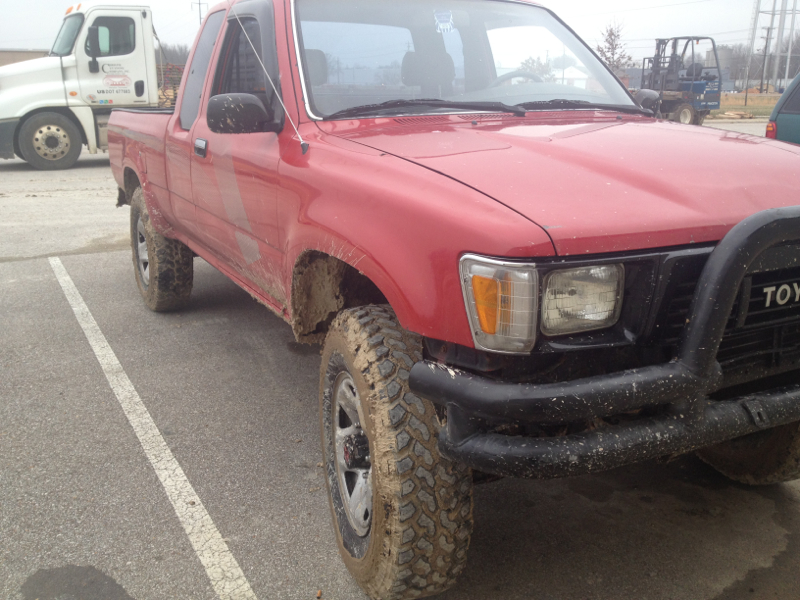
(7, 130)
(692, 421)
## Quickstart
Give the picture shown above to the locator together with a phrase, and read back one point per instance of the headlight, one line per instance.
(578, 300)
(501, 300)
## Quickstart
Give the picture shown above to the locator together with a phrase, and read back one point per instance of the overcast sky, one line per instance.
(34, 23)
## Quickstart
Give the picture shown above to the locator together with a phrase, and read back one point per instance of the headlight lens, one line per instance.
(502, 303)
(578, 300)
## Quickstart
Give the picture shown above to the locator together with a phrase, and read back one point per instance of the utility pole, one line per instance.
(200, 6)
(753, 34)
(767, 39)
(791, 42)
(779, 43)
(767, 47)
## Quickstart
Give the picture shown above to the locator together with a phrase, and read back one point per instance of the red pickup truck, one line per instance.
(513, 268)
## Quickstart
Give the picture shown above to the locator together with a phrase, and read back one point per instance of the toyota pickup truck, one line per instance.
(514, 270)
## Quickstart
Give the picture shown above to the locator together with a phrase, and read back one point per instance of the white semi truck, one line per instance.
(104, 56)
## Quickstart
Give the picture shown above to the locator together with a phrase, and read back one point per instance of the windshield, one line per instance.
(358, 53)
(66, 36)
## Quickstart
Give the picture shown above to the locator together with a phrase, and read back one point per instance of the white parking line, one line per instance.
(221, 567)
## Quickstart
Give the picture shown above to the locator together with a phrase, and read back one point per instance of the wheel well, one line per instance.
(322, 286)
(131, 182)
(62, 110)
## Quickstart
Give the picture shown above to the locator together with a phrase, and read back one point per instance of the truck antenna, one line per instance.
(303, 144)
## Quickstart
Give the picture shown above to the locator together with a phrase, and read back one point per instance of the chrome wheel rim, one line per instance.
(685, 116)
(351, 447)
(51, 142)
(141, 252)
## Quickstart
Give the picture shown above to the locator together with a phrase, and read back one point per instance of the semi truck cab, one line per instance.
(103, 57)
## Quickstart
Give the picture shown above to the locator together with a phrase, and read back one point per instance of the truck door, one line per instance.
(179, 129)
(121, 76)
(234, 176)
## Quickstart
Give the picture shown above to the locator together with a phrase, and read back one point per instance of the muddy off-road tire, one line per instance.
(379, 441)
(164, 268)
(49, 141)
(762, 458)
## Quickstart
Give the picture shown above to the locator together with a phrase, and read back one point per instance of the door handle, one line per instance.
(200, 147)
(138, 87)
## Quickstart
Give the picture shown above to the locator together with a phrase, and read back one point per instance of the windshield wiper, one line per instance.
(395, 105)
(561, 103)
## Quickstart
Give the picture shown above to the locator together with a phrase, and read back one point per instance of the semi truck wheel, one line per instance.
(763, 458)
(50, 141)
(683, 114)
(164, 267)
(402, 513)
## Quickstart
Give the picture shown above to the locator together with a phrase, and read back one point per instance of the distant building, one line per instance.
(9, 57)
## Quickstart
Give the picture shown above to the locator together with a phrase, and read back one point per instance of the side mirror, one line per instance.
(93, 43)
(240, 113)
(649, 100)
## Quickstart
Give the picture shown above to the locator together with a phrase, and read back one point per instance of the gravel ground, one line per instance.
(83, 515)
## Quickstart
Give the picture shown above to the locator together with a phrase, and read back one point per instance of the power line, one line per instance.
(607, 12)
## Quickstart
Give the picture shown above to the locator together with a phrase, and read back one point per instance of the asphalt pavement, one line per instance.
(84, 515)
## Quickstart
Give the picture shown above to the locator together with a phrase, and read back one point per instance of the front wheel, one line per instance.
(49, 141)
(402, 512)
(683, 114)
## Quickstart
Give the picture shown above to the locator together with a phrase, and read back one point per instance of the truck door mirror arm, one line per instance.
(240, 113)
(93, 43)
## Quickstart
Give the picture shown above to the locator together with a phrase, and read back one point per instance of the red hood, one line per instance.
(594, 182)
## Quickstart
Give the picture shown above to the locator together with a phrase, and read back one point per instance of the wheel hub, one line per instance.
(142, 257)
(51, 142)
(352, 455)
(356, 451)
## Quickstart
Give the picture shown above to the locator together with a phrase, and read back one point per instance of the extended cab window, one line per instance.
(117, 36)
(193, 88)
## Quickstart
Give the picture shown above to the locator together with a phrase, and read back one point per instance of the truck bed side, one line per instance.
(136, 148)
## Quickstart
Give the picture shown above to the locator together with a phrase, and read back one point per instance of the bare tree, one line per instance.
(538, 67)
(176, 54)
(612, 50)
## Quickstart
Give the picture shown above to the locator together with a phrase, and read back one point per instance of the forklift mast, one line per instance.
(688, 87)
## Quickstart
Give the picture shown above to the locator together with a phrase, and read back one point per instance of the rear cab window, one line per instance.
(792, 104)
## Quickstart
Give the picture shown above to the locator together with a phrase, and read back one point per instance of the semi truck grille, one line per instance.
(763, 331)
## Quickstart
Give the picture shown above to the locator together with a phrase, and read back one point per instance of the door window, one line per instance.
(117, 36)
(242, 72)
(196, 77)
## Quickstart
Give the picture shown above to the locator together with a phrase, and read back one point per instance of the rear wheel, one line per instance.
(402, 512)
(164, 267)
(683, 114)
(50, 141)
(762, 458)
